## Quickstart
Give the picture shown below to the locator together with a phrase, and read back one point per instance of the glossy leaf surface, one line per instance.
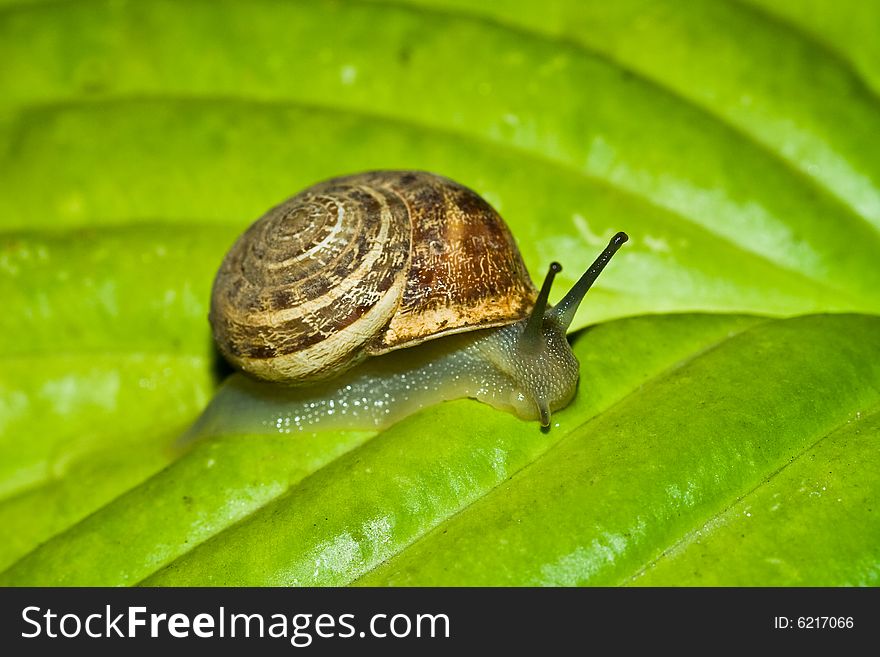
(735, 142)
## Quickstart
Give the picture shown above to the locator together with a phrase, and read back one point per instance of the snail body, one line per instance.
(408, 271)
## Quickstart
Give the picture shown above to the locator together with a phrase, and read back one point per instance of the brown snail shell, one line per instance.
(361, 265)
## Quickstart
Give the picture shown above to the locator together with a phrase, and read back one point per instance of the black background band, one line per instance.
(692, 620)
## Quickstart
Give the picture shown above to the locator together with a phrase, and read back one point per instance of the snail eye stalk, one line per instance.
(531, 337)
(565, 310)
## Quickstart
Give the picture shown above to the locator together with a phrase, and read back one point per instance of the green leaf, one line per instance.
(680, 418)
(735, 142)
(671, 458)
(829, 488)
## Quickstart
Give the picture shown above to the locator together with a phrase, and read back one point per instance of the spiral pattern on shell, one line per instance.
(360, 265)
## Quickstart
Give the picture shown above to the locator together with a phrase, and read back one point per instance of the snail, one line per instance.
(366, 297)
